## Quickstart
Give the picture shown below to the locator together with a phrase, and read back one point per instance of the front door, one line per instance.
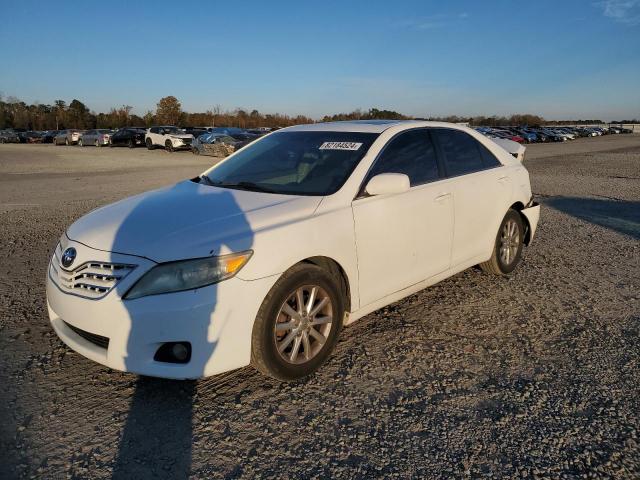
(405, 238)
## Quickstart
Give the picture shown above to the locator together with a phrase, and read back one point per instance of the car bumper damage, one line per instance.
(532, 214)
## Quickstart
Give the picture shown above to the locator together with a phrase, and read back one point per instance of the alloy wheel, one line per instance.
(303, 324)
(509, 242)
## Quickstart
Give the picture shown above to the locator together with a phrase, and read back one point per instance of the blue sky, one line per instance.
(560, 59)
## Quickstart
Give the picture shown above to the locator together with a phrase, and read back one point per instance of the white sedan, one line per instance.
(264, 257)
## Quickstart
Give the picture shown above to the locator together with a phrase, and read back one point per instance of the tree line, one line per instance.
(15, 113)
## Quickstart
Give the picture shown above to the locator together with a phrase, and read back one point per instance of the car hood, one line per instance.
(188, 220)
(182, 136)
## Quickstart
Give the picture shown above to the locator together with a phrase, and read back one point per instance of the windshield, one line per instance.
(296, 163)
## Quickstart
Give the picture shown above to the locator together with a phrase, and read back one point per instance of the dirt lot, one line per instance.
(535, 375)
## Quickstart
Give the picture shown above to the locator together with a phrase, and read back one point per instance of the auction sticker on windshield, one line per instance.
(340, 146)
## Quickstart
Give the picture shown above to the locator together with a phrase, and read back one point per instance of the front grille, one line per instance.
(91, 279)
(99, 340)
(187, 141)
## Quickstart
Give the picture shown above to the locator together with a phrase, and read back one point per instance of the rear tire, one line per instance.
(98, 144)
(284, 346)
(508, 245)
(66, 142)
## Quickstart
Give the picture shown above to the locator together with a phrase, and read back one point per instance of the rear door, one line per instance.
(405, 238)
(481, 192)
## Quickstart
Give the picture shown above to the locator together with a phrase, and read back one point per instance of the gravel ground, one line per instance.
(535, 375)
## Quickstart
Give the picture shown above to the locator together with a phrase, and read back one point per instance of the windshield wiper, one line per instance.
(250, 186)
(207, 180)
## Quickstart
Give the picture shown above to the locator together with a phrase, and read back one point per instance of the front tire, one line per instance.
(298, 323)
(168, 146)
(508, 246)
(149, 144)
(130, 144)
(66, 142)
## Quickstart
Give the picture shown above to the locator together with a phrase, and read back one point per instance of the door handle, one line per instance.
(442, 197)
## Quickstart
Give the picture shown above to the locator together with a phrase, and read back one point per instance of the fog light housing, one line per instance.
(173, 352)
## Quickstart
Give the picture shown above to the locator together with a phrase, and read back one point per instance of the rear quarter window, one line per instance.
(489, 160)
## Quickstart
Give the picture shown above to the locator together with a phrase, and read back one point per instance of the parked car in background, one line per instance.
(197, 131)
(130, 137)
(237, 133)
(215, 145)
(48, 136)
(553, 136)
(97, 138)
(33, 137)
(67, 137)
(168, 137)
(9, 136)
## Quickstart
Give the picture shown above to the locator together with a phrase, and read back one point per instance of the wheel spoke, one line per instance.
(285, 343)
(290, 311)
(319, 307)
(296, 348)
(322, 320)
(283, 327)
(300, 300)
(307, 345)
(312, 299)
(318, 336)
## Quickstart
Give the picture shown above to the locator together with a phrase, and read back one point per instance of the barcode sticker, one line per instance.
(340, 146)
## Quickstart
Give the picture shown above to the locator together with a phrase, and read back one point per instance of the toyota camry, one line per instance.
(263, 258)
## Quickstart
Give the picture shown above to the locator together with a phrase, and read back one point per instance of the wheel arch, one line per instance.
(332, 266)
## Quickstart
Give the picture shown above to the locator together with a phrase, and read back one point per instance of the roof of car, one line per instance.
(364, 126)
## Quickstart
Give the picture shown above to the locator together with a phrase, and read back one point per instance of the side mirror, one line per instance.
(388, 183)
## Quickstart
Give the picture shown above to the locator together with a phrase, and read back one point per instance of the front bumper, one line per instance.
(181, 146)
(217, 320)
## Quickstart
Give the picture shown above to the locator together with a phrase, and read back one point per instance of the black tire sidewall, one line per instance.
(511, 215)
(149, 144)
(310, 275)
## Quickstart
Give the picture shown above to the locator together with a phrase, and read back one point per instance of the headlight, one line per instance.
(188, 274)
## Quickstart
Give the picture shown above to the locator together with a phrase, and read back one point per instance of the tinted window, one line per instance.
(460, 151)
(301, 163)
(488, 159)
(411, 153)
